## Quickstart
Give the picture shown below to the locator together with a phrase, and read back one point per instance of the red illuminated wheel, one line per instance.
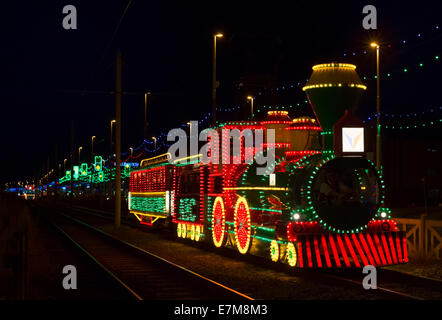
(218, 222)
(243, 226)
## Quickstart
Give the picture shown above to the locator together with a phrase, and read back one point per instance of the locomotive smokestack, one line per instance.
(331, 89)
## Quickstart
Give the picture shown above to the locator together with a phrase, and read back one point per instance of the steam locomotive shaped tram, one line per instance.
(321, 205)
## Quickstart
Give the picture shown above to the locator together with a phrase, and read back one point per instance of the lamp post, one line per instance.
(378, 109)
(111, 133)
(79, 153)
(131, 152)
(251, 103)
(145, 115)
(214, 82)
(190, 128)
(154, 145)
(92, 147)
(64, 164)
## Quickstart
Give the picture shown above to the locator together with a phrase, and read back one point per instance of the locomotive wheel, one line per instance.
(218, 222)
(197, 233)
(274, 250)
(243, 227)
(178, 230)
(192, 232)
(291, 255)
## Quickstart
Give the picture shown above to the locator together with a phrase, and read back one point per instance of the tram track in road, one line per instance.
(391, 284)
(142, 274)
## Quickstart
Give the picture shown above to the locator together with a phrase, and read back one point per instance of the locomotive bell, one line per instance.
(331, 89)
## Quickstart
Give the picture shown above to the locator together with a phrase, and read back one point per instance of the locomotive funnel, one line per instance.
(331, 89)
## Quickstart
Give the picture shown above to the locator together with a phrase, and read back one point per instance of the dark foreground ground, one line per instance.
(33, 255)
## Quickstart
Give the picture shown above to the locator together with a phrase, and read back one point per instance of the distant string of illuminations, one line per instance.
(410, 120)
(434, 30)
(405, 115)
(384, 75)
(414, 125)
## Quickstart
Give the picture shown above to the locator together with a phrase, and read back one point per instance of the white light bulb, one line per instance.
(383, 214)
(296, 216)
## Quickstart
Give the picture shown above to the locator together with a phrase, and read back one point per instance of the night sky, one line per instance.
(50, 76)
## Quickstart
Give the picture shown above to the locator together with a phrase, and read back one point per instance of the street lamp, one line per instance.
(79, 153)
(190, 128)
(251, 103)
(64, 164)
(92, 146)
(154, 144)
(215, 83)
(111, 131)
(131, 152)
(145, 114)
(378, 108)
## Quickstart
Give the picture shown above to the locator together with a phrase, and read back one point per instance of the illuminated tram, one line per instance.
(319, 204)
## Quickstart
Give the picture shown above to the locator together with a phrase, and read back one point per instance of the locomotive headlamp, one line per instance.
(383, 214)
(296, 216)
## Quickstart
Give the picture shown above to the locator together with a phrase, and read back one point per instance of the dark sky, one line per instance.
(51, 76)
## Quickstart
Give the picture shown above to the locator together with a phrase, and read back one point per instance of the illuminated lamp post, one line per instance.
(92, 147)
(214, 82)
(378, 109)
(154, 144)
(251, 104)
(79, 154)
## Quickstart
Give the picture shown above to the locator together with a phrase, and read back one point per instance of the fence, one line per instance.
(424, 237)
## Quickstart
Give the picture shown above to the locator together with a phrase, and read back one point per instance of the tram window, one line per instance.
(195, 185)
(189, 183)
(218, 184)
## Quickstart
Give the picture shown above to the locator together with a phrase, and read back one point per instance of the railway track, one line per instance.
(385, 291)
(391, 284)
(143, 275)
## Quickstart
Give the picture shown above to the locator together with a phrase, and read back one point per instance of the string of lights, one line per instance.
(414, 125)
(435, 29)
(406, 69)
(404, 115)
(356, 52)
